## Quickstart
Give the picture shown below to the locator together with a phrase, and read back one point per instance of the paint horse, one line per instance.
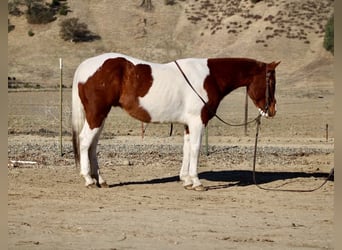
(159, 93)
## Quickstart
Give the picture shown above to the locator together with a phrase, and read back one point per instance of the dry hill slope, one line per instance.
(290, 31)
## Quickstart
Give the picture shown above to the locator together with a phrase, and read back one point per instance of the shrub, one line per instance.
(75, 31)
(328, 42)
(170, 2)
(30, 33)
(13, 8)
(147, 5)
(60, 7)
(63, 10)
(255, 1)
(39, 13)
(10, 26)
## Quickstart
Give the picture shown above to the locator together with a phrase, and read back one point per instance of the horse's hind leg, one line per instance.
(87, 137)
(94, 165)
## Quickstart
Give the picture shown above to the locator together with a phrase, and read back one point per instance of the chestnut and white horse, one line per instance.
(152, 92)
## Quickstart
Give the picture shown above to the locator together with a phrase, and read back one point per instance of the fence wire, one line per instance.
(38, 112)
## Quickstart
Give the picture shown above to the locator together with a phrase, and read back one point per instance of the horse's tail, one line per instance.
(78, 118)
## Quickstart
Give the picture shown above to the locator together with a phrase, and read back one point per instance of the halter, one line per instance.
(267, 95)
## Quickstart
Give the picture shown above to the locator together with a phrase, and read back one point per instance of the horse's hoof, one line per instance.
(104, 185)
(90, 186)
(197, 188)
(188, 187)
(200, 188)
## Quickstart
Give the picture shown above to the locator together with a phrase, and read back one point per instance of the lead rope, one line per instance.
(258, 122)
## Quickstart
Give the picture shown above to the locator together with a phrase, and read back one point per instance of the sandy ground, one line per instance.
(146, 206)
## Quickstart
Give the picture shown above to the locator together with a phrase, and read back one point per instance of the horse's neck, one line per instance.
(233, 73)
(231, 83)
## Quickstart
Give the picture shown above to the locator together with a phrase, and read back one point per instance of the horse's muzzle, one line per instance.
(269, 113)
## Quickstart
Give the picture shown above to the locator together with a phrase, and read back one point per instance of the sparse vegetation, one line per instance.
(255, 1)
(13, 8)
(329, 35)
(30, 33)
(38, 12)
(75, 31)
(13, 83)
(147, 5)
(170, 2)
(10, 26)
(299, 23)
(60, 7)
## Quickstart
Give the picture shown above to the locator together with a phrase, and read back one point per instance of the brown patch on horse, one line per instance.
(225, 75)
(137, 83)
(116, 83)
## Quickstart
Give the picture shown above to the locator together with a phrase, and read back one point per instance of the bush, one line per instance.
(75, 31)
(63, 10)
(329, 35)
(255, 1)
(170, 2)
(30, 33)
(60, 7)
(39, 13)
(13, 8)
(147, 5)
(10, 26)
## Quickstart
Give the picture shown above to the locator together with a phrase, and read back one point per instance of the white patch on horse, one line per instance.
(170, 98)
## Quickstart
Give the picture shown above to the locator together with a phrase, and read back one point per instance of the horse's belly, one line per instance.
(163, 108)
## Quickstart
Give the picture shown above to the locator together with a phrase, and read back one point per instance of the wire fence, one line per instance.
(38, 112)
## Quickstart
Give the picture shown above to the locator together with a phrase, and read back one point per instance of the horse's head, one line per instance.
(262, 90)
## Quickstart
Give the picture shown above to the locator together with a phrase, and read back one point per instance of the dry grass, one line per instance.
(290, 31)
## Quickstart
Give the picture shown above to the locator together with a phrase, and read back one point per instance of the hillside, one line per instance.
(290, 31)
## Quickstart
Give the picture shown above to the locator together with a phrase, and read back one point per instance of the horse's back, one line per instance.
(90, 65)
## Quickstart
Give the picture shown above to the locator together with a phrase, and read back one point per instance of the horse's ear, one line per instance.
(273, 65)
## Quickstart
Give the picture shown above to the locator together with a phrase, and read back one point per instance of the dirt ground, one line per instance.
(146, 206)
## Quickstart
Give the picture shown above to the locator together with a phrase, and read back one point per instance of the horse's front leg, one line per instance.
(184, 172)
(196, 130)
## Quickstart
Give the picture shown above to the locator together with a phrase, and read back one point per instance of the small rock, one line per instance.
(127, 163)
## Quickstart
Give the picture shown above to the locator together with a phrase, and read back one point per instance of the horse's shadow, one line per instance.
(234, 178)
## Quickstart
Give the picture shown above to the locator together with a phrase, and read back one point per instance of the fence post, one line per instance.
(61, 106)
(206, 140)
(246, 111)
